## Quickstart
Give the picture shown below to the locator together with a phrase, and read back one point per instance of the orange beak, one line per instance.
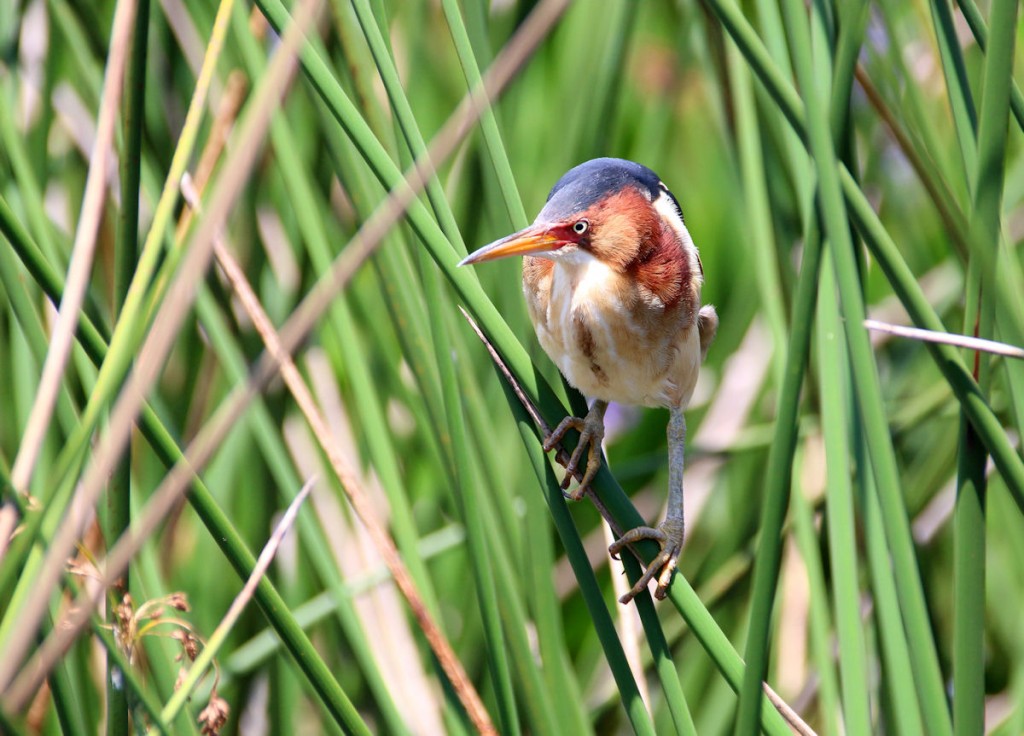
(533, 241)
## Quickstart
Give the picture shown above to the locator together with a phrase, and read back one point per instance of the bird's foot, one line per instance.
(668, 534)
(591, 429)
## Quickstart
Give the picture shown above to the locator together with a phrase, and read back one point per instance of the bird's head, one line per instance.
(612, 210)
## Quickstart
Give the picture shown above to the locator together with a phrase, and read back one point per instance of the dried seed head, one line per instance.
(189, 643)
(214, 715)
(178, 601)
(124, 611)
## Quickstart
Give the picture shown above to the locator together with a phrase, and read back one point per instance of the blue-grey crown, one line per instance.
(585, 184)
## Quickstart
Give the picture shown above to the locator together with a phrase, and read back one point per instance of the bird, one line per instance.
(612, 281)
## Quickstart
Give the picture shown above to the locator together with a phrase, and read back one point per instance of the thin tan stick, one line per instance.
(159, 341)
(143, 526)
(199, 665)
(81, 254)
(947, 338)
(627, 621)
(508, 63)
(362, 504)
(788, 714)
(562, 458)
(561, 455)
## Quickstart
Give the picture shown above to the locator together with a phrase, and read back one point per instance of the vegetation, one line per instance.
(192, 191)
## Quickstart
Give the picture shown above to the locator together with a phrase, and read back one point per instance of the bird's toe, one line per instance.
(669, 536)
(559, 432)
(667, 570)
(574, 461)
(645, 579)
(591, 429)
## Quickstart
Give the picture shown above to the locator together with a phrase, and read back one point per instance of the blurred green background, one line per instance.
(928, 123)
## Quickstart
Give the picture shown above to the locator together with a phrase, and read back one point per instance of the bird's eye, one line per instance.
(581, 227)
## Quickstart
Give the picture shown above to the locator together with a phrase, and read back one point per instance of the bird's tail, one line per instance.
(707, 326)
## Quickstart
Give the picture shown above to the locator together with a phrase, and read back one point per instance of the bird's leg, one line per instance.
(591, 429)
(668, 534)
